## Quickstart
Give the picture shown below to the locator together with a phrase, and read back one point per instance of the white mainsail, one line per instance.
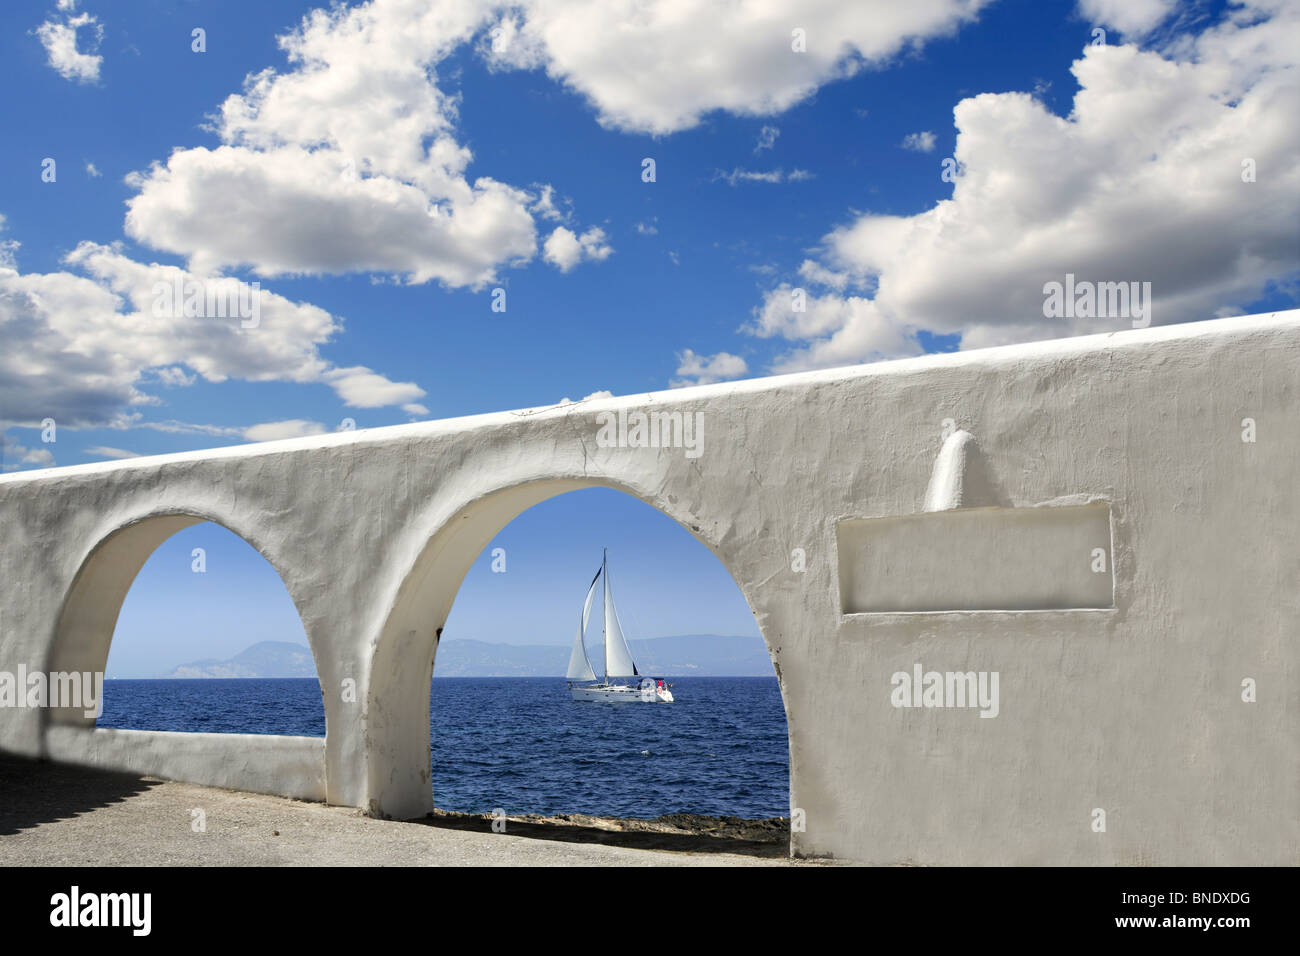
(618, 659)
(579, 663)
(583, 684)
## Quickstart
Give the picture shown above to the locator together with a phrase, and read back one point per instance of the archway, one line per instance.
(291, 765)
(209, 640)
(88, 621)
(506, 733)
(398, 698)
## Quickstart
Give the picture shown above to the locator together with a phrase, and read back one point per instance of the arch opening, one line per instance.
(185, 598)
(401, 708)
(506, 730)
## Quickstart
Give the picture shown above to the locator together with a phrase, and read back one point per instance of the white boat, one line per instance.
(583, 683)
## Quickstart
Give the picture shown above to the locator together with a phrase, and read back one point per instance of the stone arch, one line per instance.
(87, 619)
(400, 668)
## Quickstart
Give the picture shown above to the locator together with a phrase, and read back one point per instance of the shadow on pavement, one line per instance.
(33, 792)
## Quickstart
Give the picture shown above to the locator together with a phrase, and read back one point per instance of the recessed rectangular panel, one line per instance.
(978, 559)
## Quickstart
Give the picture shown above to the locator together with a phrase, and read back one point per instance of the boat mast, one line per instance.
(604, 606)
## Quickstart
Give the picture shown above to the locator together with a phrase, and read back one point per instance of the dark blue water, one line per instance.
(521, 744)
(290, 706)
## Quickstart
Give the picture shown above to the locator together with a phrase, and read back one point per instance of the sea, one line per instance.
(522, 745)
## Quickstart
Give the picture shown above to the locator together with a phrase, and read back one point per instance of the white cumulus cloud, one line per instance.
(347, 161)
(657, 66)
(60, 39)
(565, 249)
(15, 457)
(290, 428)
(695, 369)
(1132, 17)
(1149, 179)
(86, 346)
(602, 393)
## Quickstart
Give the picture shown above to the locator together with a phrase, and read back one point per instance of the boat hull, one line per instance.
(618, 694)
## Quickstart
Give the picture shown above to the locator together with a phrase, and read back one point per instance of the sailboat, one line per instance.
(583, 683)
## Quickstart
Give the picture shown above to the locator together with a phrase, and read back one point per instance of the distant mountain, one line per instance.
(468, 658)
(267, 659)
(703, 655)
(692, 655)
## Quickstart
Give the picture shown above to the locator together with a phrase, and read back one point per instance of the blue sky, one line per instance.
(665, 583)
(380, 170)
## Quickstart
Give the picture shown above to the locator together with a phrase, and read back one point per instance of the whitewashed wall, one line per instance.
(1120, 688)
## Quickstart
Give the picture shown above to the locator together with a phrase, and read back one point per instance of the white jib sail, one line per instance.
(579, 663)
(618, 659)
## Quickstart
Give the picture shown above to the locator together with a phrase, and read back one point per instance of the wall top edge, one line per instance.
(1222, 330)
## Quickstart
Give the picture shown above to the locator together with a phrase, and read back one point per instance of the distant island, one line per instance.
(267, 659)
(691, 655)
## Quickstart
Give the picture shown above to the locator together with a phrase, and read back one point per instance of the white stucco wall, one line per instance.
(260, 763)
(1134, 708)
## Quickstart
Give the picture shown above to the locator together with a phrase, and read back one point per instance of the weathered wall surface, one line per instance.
(1133, 707)
(260, 763)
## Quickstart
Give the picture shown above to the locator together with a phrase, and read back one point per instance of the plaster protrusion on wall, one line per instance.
(949, 475)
